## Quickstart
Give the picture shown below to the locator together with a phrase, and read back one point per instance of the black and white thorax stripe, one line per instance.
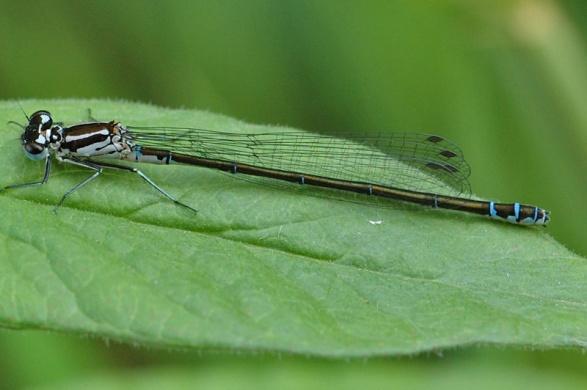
(96, 139)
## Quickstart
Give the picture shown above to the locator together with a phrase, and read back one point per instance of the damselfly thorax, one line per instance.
(417, 168)
(92, 140)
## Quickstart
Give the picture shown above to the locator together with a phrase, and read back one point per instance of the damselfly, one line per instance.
(414, 168)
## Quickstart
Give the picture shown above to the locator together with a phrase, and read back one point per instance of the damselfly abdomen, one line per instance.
(416, 168)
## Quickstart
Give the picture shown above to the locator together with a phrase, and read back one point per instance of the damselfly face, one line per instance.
(37, 135)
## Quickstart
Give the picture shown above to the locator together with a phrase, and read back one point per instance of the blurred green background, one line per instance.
(505, 79)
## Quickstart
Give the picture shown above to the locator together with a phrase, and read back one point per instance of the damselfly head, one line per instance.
(42, 120)
(37, 135)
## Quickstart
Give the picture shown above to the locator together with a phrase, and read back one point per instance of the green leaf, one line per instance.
(258, 373)
(263, 267)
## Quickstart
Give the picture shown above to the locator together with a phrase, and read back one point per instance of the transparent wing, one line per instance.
(419, 162)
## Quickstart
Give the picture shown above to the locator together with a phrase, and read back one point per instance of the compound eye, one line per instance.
(35, 151)
(41, 119)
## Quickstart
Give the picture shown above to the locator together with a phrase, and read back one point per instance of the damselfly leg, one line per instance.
(34, 183)
(85, 164)
(99, 166)
(90, 116)
(146, 179)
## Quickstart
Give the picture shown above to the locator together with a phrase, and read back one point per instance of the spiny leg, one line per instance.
(34, 183)
(145, 178)
(90, 116)
(85, 164)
